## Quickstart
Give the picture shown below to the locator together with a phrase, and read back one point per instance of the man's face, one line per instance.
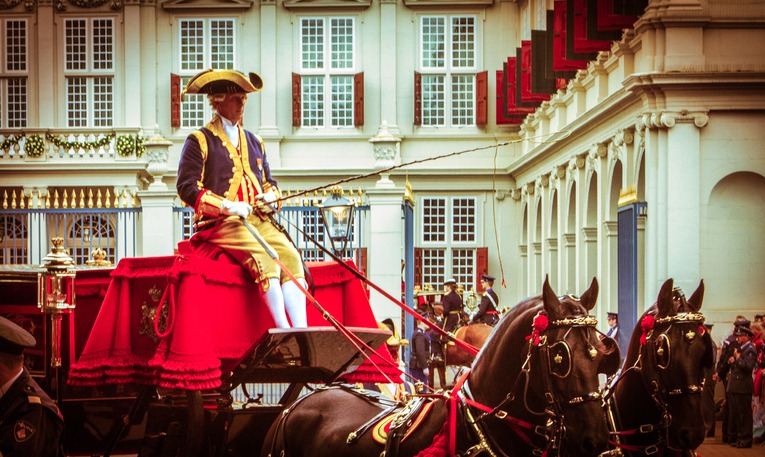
(232, 107)
(611, 320)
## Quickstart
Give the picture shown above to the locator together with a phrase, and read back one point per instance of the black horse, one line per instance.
(654, 405)
(533, 388)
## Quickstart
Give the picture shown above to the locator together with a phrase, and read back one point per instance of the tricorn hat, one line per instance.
(223, 82)
(14, 339)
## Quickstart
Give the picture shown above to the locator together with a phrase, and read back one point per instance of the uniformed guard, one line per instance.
(487, 309)
(453, 306)
(30, 422)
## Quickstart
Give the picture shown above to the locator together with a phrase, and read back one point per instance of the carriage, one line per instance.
(142, 376)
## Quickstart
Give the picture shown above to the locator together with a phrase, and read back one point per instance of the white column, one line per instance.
(156, 224)
(386, 244)
(44, 94)
(388, 48)
(268, 44)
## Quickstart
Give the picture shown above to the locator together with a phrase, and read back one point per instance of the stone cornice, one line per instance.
(227, 5)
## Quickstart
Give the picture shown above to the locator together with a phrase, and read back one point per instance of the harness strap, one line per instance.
(356, 434)
(399, 426)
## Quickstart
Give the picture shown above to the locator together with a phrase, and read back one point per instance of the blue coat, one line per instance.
(740, 378)
(220, 171)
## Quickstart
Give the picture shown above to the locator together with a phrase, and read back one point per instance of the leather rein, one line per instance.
(659, 392)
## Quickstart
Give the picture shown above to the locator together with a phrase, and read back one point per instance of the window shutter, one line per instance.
(296, 89)
(358, 99)
(361, 260)
(481, 98)
(175, 101)
(481, 266)
(417, 99)
(418, 267)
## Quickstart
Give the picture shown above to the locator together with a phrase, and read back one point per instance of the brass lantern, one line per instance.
(337, 215)
(55, 292)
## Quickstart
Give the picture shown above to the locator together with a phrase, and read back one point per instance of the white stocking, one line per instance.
(275, 302)
(294, 301)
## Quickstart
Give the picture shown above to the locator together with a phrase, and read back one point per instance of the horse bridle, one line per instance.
(554, 431)
(658, 355)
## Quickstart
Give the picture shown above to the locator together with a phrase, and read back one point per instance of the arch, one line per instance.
(640, 184)
(553, 229)
(616, 185)
(733, 241)
(538, 221)
(525, 225)
(571, 214)
(591, 208)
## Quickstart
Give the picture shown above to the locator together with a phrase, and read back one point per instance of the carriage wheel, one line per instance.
(195, 426)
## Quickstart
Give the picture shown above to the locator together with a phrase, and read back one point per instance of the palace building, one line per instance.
(568, 139)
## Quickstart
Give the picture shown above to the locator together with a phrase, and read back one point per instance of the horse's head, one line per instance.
(675, 350)
(572, 355)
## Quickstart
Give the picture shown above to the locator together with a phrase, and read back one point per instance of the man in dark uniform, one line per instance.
(453, 306)
(741, 388)
(30, 422)
(223, 174)
(729, 345)
(487, 309)
(418, 361)
(708, 396)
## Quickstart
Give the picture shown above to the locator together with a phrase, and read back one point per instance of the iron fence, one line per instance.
(299, 221)
(25, 234)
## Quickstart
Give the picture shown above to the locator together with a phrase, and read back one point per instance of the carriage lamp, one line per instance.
(55, 292)
(337, 214)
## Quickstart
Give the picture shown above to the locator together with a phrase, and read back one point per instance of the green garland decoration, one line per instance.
(35, 146)
(10, 141)
(79, 144)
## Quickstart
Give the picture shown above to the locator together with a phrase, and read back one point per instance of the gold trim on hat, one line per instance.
(196, 84)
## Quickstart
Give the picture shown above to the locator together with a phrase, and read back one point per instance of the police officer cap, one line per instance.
(744, 331)
(450, 281)
(612, 315)
(14, 339)
(742, 323)
(487, 278)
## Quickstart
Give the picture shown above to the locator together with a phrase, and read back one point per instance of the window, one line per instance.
(14, 73)
(89, 71)
(203, 44)
(13, 239)
(448, 90)
(313, 227)
(89, 232)
(449, 240)
(326, 91)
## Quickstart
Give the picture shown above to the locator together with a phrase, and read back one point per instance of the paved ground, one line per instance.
(714, 447)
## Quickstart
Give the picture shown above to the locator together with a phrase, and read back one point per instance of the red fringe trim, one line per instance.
(439, 447)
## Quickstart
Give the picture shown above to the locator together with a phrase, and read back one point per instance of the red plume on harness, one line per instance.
(539, 325)
(646, 324)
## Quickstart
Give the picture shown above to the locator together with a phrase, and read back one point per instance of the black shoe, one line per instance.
(744, 444)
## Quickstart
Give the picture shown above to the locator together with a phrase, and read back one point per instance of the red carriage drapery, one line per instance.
(216, 313)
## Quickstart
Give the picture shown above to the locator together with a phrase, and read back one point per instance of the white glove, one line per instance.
(230, 208)
(270, 197)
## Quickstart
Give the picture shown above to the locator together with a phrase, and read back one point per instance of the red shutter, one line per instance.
(481, 266)
(417, 99)
(418, 267)
(358, 99)
(481, 98)
(296, 92)
(175, 101)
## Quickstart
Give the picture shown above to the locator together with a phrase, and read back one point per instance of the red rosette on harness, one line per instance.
(539, 327)
(646, 323)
